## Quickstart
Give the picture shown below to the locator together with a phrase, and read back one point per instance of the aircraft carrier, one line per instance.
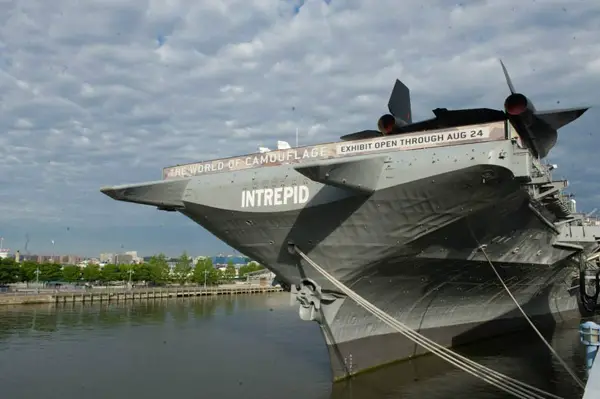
(401, 215)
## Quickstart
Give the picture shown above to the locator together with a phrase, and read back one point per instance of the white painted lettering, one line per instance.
(275, 196)
(399, 142)
(268, 197)
(249, 200)
(288, 193)
(303, 194)
(415, 141)
(277, 199)
(259, 195)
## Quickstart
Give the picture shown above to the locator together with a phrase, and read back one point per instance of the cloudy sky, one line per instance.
(103, 92)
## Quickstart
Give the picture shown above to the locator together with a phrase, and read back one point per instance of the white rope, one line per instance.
(507, 384)
(562, 362)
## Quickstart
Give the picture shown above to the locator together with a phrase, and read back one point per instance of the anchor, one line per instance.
(311, 298)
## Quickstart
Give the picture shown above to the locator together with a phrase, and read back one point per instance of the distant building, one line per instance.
(107, 258)
(48, 259)
(3, 251)
(134, 256)
(69, 259)
(218, 261)
(127, 258)
(29, 257)
(223, 260)
(124, 259)
(60, 259)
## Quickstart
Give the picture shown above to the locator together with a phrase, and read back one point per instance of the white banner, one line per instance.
(396, 142)
(416, 141)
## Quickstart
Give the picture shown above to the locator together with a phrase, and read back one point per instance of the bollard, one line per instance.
(589, 334)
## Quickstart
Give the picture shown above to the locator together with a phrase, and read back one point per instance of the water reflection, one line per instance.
(430, 377)
(229, 347)
(23, 320)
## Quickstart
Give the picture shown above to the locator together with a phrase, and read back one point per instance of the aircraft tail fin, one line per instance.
(509, 82)
(399, 104)
(560, 117)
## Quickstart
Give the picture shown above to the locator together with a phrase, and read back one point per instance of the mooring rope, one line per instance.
(556, 355)
(507, 384)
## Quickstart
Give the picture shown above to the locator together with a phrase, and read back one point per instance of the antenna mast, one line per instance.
(294, 111)
(27, 244)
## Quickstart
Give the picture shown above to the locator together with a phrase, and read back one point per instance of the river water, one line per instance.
(233, 347)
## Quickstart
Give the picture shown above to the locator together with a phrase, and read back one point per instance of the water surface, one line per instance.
(232, 347)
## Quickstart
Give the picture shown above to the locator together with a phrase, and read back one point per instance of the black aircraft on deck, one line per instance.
(537, 129)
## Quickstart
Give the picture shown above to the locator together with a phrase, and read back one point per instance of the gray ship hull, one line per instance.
(465, 303)
(346, 233)
(416, 263)
(403, 231)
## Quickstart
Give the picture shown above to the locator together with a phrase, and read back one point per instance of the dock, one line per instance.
(589, 333)
(592, 388)
(135, 294)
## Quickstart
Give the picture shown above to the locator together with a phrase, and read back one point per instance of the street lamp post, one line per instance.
(37, 279)
(205, 274)
(130, 271)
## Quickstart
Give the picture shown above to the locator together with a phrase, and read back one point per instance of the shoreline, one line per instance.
(140, 294)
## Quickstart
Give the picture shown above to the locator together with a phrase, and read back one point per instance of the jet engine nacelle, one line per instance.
(536, 134)
(518, 106)
(387, 123)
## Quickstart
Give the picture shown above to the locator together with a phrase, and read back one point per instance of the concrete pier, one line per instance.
(136, 294)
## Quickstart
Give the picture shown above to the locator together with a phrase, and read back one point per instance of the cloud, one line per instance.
(107, 92)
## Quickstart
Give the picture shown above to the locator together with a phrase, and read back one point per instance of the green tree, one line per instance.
(183, 268)
(9, 271)
(28, 269)
(159, 269)
(229, 272)
(141, 272)
(249, 268)
(91, 273)
(110, 272)
(204, 272)
(50, 272)
(71, 273)
(126, 270)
